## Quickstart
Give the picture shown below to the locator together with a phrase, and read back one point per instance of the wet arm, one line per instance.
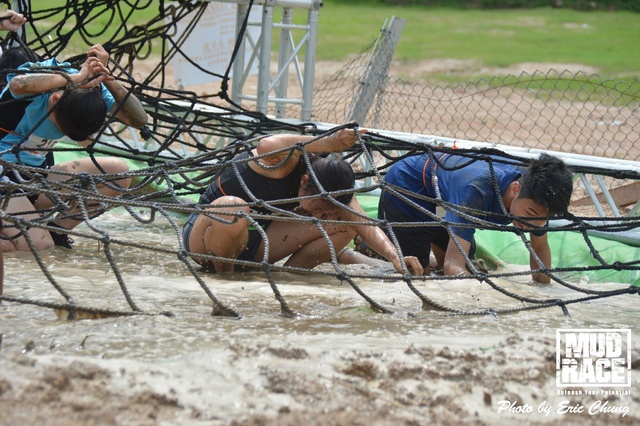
(129, 108)
(35, 84)
(336, 142)
(454, 261)
(540, 245)
(91, 74)
(377, 240)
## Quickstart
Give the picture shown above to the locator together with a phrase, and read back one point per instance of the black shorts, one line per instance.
(18, 177)
(413, 240)
(253, 243)
(416, 240)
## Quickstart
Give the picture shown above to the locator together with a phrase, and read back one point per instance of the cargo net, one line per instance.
(189, 141)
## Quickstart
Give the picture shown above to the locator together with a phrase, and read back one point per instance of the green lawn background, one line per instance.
(607, 41)
(498, 38)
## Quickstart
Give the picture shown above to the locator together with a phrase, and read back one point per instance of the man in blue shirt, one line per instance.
(473, 188)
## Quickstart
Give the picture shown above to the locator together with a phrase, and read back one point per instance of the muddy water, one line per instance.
(336, 359)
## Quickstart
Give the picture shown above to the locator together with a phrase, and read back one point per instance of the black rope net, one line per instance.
(190, 139)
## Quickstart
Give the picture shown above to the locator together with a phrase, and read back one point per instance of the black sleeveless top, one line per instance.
(261, 187)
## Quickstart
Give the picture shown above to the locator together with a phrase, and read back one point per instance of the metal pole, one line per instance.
(310, 64)
(377, 71)
(283, 62)
(265, 60)
(238, 64)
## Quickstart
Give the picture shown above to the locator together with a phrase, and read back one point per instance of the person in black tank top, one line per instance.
(275, 172)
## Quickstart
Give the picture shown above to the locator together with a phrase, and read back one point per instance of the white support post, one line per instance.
(273, 91)
(264, 65)
(238, 64)
(310, 64)
(282, 83)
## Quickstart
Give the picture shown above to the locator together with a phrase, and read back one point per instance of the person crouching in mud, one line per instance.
(279, 174)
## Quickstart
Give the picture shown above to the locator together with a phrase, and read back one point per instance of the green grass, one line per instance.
(580, 88)
(498, 38)
(101, 22)
(607, 41)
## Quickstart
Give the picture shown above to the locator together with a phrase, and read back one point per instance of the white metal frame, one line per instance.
(274, 90)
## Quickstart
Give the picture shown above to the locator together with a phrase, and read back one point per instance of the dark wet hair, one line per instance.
(80, 113)
(333, 173)
(548, 182)
(12, 58)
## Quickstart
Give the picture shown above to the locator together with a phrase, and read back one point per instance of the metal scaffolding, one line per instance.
(273, 89)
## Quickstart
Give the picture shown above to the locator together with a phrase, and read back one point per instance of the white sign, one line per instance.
(593, 358)
(211, 43)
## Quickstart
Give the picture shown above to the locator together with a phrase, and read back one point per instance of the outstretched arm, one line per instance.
(540, 245)
(377, 240)
(129, 108)
(336, 142)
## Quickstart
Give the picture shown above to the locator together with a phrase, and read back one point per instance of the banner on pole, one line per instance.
(211, 43)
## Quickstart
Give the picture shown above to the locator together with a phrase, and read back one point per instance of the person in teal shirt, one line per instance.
(44, 102)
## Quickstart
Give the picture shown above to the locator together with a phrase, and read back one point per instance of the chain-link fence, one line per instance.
(554, 110)
(559, 111)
